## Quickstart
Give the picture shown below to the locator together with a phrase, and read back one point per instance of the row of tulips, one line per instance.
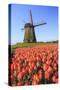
(35, 65)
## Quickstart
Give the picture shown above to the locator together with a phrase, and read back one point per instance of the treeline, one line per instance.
(49, 42)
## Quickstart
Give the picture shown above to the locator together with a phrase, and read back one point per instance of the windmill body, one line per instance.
(29, 34)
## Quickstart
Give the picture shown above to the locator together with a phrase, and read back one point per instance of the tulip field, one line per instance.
(34, 65)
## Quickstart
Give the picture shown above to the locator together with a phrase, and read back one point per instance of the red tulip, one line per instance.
(20, 76)
(45, 67)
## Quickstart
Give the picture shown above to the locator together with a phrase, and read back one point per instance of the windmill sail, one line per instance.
(40, 24)
(33, 37)
(31, 20)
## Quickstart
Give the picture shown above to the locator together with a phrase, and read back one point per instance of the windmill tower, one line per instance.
(29, 35)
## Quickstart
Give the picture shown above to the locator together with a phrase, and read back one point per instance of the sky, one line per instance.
(20, 16)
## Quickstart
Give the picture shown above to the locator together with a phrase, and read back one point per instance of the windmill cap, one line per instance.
(28, 25)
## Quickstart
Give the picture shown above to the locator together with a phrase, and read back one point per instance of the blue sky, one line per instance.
(20, 16)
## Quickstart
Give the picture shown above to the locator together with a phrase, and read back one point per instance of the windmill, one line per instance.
(29, 34)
